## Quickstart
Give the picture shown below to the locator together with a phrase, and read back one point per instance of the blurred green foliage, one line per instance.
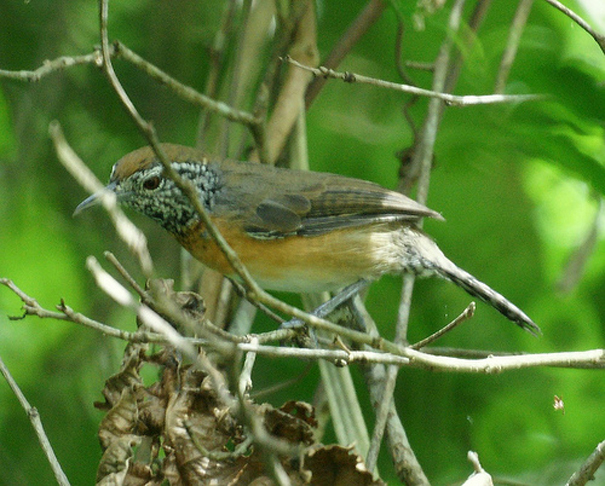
(518, 184)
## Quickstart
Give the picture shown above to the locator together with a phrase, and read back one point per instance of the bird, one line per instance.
(295, 231)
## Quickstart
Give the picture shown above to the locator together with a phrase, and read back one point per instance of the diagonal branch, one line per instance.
(34, 418)
(599, 38)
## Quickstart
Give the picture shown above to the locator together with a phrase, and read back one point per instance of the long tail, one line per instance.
(422, 255)
(490, 296)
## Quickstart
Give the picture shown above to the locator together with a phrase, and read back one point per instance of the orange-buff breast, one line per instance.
(299, 263)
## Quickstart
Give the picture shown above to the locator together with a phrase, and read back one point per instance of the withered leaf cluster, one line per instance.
(176, 431)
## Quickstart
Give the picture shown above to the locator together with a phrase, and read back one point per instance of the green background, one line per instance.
(519, 186)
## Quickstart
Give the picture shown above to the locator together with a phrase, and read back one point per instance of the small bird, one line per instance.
(295, 231)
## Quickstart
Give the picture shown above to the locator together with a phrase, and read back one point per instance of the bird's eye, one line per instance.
(152, 183)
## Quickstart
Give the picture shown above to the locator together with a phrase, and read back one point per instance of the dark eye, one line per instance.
(152, 183)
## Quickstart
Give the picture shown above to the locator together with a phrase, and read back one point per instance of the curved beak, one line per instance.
(95, 199)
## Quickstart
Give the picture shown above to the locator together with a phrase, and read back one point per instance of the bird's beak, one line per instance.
(95, 199)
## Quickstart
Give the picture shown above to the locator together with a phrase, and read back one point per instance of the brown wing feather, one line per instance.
(279, 202)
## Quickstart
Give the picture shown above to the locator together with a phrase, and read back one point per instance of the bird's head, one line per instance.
(139, 182)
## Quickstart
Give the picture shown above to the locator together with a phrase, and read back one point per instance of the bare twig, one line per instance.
(574, 268)
(497, 364)
(34, 418)
(422, 159)
(464, 316)
(245, 65)
(480, 476)
(419, 66)
(118, 293)
(514, 37)
(50, 67)
(589, 468)
(222, 39)
(483, 362)
(450, 99)
(253, 122)
(33, 308)
(245, 376)
(406, 464)
(111, 258)
(368, 16)
(128, 232)
(599, 38)
(382, 413)
(192, 96)
(290, 101)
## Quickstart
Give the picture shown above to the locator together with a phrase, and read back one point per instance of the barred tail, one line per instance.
(478, 289)
(421, 255)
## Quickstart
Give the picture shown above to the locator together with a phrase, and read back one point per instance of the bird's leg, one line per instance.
(331, 305)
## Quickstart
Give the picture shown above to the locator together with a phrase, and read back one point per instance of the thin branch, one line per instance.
(50, 67)
(589, 468)
(111, 258)
(406, 464)
(335, 355)
(382, 414)
(480, 476)
(497, 364)
(450, 99)
(487, 362)
(468, 353)
(469, 37)
(244, 67)
(123, 297)
(422, 160)
(128, 232)
(254, 123)
(78, 318)
(290, 100)
(599, 38)
(34, 418)
(464, 316)
(368, 16)
(245, 376)
(576, 263)
(514, 38)
(32, 308)
(419, 65)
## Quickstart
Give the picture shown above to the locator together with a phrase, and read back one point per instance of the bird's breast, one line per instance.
(300, 263)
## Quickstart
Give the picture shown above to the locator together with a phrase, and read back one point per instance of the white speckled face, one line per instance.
(150, 193)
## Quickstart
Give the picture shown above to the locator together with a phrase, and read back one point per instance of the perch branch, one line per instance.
(450, 99)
